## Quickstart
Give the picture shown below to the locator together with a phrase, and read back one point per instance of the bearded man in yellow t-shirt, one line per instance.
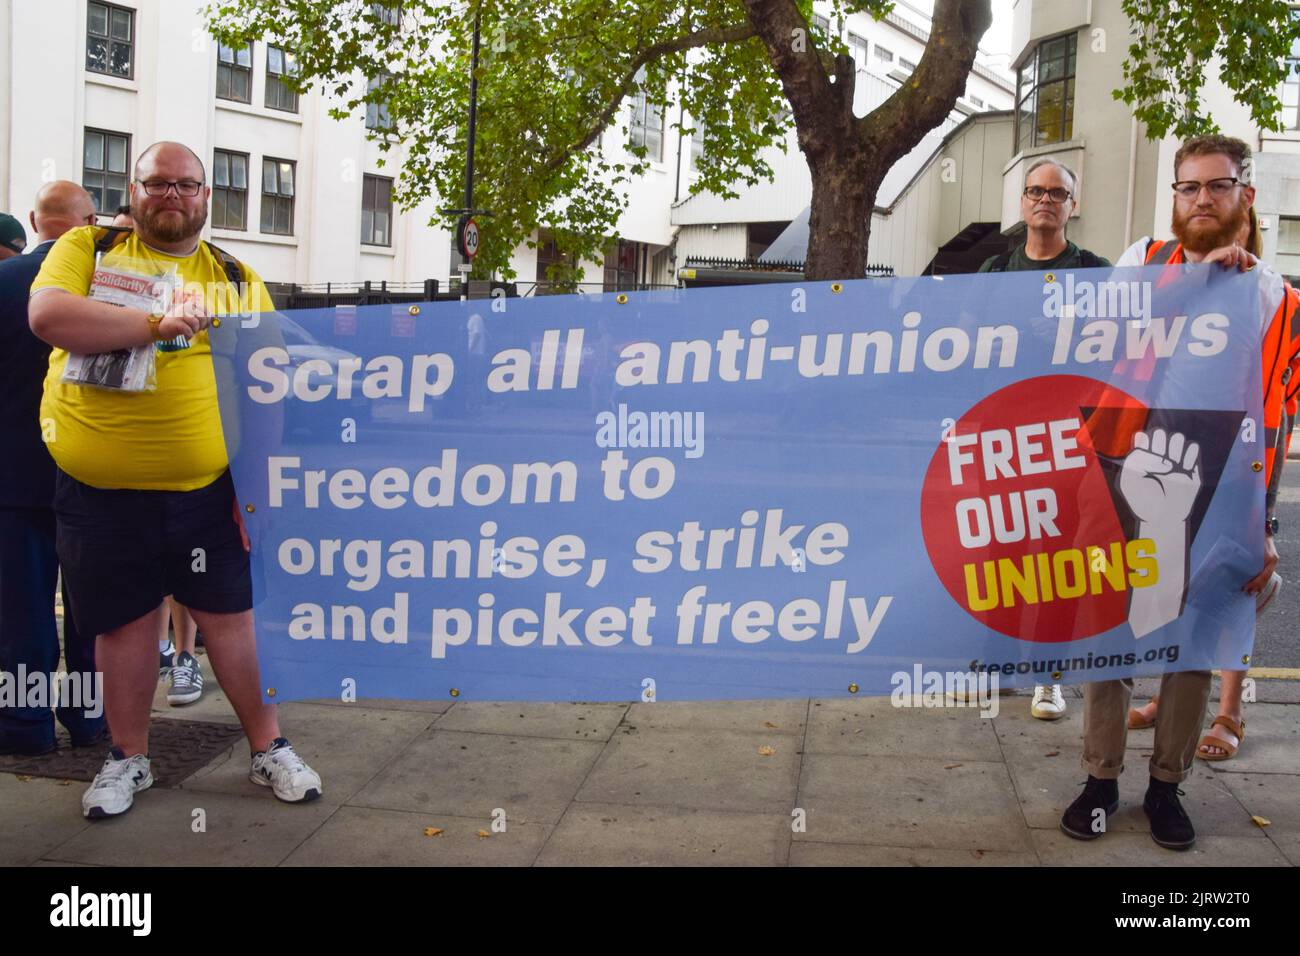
(143, 479)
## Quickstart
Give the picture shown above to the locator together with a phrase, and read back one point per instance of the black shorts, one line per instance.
(123, 551)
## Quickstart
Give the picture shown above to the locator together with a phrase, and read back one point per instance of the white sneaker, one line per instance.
(1049, 704)
(285, 773)
(116, 785)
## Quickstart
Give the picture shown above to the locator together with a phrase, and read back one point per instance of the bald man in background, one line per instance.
(29, 638)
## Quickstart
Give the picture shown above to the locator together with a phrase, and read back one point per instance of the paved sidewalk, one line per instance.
(668, 783)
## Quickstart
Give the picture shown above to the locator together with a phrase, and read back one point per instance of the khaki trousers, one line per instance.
(1179, 719)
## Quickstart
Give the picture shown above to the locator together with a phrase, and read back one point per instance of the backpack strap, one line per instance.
(232, 267)
(106, 237)
(1000, 262)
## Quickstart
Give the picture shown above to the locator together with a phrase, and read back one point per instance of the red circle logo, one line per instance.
(1017, 510)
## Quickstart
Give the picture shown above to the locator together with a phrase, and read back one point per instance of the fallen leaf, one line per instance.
(433, 831)
(483, 834)
(769, 725)
(766, 751)
(65, 783)
(952, 766)
(1052, 753)
(1260, 821)
(24, 778)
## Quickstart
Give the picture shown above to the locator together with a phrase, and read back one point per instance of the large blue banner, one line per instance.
(752, 492)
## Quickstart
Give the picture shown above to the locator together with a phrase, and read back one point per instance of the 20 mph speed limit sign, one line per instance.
(467, 237)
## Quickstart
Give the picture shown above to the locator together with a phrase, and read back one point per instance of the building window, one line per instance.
(1045, 94)
(377, 211)
(235, 73)
(280, 64)
(977, 102)
(549, 254)
(883, 55)
(107, 157)
(377, 113)
(277, 196)
(1291, 89)
(389, 12)
(697, 145)
(858, 48)
(621, 266)
(1288, 236)
(110, 32)
(821, 26)
(229, 190)
(906, 64)
(647, 128)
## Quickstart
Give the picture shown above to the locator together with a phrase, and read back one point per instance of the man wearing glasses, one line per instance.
(143, 485)
(1046, 204)
(1212, 200)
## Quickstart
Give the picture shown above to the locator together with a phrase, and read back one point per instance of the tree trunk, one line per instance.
(839, 224)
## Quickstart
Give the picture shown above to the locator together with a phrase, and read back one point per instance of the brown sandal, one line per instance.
(1137, 722)
(1237, 730)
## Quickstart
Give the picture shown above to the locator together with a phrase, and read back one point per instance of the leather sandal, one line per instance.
(1138, 722)
(1230, 749)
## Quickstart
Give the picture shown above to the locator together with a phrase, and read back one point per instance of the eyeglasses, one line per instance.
(160, 187)
(1055, 194)
(1190, 188)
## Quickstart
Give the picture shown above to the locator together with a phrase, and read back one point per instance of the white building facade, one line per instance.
(304, 198)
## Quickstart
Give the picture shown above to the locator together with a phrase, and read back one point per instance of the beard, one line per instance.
(162, 225)
(1203, 237)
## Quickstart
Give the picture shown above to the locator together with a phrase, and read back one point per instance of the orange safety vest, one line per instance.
(1280, 358)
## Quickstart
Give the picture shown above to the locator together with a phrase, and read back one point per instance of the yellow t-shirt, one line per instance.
(168, 439)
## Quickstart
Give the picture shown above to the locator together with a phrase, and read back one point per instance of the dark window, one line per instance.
(235, 73)
(647, 127)
(277, 196)
(377, 113)
(621, 266)
(110, 33)
(906, 64)
(280, 64)
(377, 211)
(549, 254)
(107, 157)
(1045, 94)
(229, 190)
(977, 102)
(884, 55)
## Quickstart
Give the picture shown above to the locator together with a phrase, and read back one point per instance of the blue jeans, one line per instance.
(29, 636)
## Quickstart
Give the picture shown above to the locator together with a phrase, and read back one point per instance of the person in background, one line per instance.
(13, 237)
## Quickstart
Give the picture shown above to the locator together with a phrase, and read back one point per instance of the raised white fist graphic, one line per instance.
(1161, 477)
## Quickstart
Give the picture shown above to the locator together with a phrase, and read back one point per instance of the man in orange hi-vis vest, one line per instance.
(1212, 201)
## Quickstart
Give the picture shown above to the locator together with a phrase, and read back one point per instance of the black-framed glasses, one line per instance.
(1055, 194)
(1191, 188)
(188, 188)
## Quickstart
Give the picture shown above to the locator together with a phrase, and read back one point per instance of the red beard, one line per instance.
(1207, 235)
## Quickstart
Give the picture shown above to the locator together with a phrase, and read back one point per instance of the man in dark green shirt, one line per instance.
(1046, 205)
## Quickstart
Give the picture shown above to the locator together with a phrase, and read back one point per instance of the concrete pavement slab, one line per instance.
(874, 726)
(808, 853)
(1276, 798)
(37, 814)
(380, 703)
(753, 716)
(910, 801)
(563, 721)
(346, 746)
(469, 775)
(703, 770)
(362, 836)
(213, 706)
(254, 830)
(1138, 849)
(606, 834)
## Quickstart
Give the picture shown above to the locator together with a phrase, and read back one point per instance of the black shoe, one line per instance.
(1080, 819)
(1170, 825)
